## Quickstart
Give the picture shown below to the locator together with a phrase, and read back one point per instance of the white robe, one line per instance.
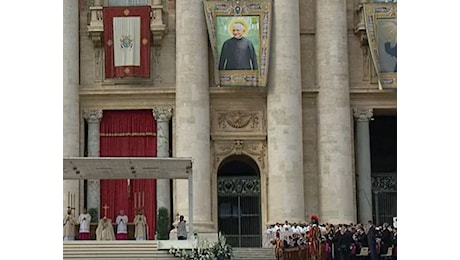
(141, 230)
(85, 220)
(122, 222)
(104, 230)
(69, 227)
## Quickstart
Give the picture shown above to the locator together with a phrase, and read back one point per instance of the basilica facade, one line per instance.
(318, 137)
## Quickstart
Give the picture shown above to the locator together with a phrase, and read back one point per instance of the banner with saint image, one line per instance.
(381, 30)
(239, 33)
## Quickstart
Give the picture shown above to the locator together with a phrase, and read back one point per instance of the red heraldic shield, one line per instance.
(127, 41)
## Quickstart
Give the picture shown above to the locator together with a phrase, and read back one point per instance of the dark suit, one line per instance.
(238, 54)
(345, 242)
(387, 240)
(372, 243)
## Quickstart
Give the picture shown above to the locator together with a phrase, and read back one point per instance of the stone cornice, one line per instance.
(374, 99)
(237, 91)
(135, 98)
(99, 92)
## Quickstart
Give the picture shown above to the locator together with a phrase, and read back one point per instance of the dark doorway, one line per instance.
(383, 137)
(238, 189)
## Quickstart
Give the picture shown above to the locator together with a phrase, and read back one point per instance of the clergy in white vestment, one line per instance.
(104, 230)
(84, 231)
(140, 223)
(286, 226)
(69, 226)
(122, 226)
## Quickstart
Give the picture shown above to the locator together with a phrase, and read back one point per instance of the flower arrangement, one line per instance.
(205, 250)
(221, 249)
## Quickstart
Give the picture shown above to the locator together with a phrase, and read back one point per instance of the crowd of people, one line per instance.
(328, 241)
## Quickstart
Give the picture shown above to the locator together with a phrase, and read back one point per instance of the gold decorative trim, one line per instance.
(256, 16)
(126, 12)
(144, 41)
(109, 42)
(126, 71)
(381, 30)
(128, 134)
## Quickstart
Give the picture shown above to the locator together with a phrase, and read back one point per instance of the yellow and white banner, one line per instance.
(126, 37)
(381, 29)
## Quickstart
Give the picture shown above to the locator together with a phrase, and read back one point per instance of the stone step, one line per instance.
(143, 250)
(129, 249)
(253, 253)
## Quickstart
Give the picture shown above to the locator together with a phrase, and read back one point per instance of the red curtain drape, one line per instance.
(127, 71)
(130, 133)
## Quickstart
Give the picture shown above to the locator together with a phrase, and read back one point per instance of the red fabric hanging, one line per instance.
(127, 71)
(130, 133)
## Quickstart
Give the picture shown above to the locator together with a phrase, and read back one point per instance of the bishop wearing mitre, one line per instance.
(104, 230)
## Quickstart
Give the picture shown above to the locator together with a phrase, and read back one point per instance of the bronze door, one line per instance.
(239, 210)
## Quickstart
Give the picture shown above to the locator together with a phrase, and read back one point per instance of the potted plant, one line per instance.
(163, 224)
(93, 213)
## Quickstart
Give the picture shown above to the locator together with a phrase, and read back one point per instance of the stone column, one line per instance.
(192, 133)
(363, 164)
(284, 118)
(93, 118)
(336, 200)
(71, 115)
(163, 115)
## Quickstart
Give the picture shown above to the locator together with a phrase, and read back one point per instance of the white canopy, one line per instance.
(126, 168)
(84, 168)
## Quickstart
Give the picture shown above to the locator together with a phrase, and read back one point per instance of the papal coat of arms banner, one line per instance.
(381, 29)
(239, 33)
(126, 48)
(127, 41)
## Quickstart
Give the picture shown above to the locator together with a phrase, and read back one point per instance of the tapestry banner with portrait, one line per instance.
(381, 30)
(239, 33)
(127, 41)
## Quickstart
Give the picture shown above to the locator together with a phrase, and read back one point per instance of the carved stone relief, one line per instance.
(227, 122)
(384, 183)
(255, 149)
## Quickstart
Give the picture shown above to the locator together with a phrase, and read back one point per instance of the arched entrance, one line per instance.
(238, 191)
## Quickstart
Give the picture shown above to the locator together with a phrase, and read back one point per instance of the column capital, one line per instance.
(362, 114)
(162, 113)
(93, 116)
